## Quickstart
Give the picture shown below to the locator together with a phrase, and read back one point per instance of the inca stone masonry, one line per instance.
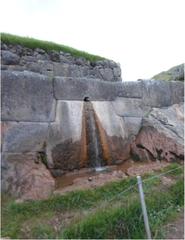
(61, 113)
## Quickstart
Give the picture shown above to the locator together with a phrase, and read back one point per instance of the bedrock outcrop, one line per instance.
(26, 177)
(161, 135)
(54, 122)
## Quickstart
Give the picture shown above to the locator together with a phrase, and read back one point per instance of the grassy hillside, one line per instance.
(47, 46)
(173, 74)
(109, 212)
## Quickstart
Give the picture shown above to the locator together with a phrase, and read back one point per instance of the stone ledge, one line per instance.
(151, 93)
(79, 88)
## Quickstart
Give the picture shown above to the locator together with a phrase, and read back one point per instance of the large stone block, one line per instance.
(9, 58)
(42, 67)
(117, 72)
(63, 144)
(157, 93)
(177, 89)
(130, 89)
(66, 70)
(113, 134)
(107, 74)
(27, 96)
(79, 88)
(111, 122)
(68, 122)
(24, 136)
(130, 107)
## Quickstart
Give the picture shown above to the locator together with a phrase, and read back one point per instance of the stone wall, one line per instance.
(45, 115)
(53, 63)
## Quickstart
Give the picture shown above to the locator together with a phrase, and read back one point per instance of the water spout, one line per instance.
(94, 148)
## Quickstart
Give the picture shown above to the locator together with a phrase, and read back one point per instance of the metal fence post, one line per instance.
(143, 205)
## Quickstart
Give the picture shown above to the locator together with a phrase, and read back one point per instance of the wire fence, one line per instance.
(144, 181)
(147, 187)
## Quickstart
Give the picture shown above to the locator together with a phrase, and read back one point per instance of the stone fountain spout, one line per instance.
(94, 146)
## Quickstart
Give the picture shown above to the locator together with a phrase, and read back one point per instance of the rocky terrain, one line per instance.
(62, 114)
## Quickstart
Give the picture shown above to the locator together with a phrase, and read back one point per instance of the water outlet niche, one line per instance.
(93, 138)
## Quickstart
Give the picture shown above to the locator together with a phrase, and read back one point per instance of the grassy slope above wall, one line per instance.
(173, 74)
(47, 46)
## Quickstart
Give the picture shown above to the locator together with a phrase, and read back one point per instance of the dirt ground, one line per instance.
(90, 180)
(175, 229)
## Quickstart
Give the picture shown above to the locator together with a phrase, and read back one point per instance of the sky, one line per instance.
(144, 36)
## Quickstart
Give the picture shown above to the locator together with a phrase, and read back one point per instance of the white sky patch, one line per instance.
(144, 36)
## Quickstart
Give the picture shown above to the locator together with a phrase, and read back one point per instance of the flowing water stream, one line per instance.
(94, 146)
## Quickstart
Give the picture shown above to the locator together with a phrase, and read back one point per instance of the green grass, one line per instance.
(42, 232)
(83, 199)
(47, 46)
(99, 216)
(126, 221)
(14, 214)
(175, 168)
